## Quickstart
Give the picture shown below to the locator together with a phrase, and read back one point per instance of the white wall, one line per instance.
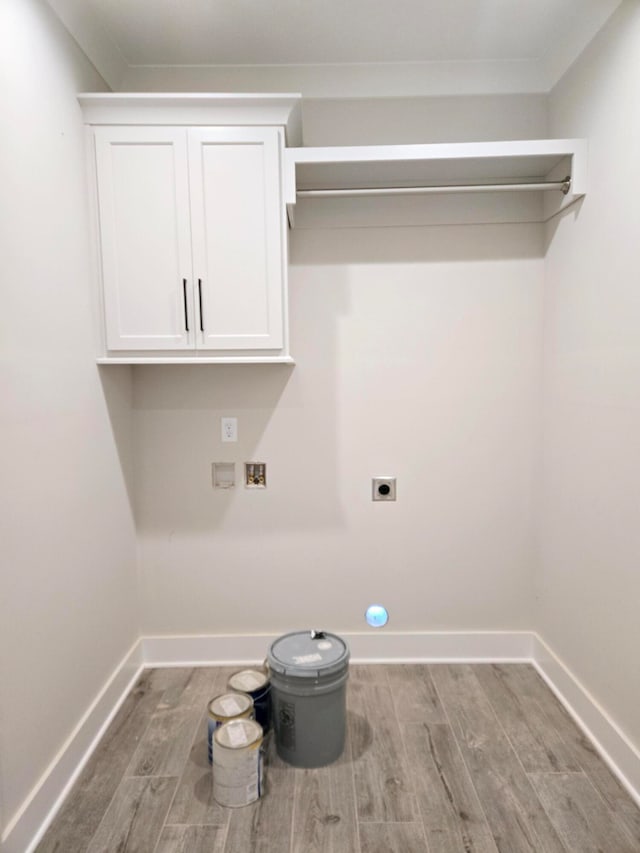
(68, 543)
(589, 582)
(381, 121)
(397, 113)
(352, 80)
(418, 355)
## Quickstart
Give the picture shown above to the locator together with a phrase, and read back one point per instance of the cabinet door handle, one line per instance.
(200, 304)
(184, 296)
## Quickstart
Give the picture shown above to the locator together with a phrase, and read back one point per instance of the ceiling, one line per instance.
(246, 32)
(508, 35)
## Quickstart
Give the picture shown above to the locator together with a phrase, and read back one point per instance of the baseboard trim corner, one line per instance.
(26, 827)
(614, 747)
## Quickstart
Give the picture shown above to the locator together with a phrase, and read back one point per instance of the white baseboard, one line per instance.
(28, 825)
(614, 746)
(371, 647)
(25, 829)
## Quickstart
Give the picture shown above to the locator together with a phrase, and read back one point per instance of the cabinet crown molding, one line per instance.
(196, 109)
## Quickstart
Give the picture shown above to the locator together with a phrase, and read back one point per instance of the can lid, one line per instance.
(238, 734)
(309, 654)
(230, 705)
(248, 680)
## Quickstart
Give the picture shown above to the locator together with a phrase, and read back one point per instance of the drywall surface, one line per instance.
(589, 584)
(68, 543)
(350, 79)
(341, 120)
(418, 356)
(382, 121)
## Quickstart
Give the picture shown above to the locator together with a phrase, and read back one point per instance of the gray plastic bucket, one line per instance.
(309, 671)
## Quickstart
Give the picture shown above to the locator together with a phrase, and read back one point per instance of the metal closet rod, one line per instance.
(564, 187)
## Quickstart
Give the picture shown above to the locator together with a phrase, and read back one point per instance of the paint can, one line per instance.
(255, 683)
(237, 763)
(222, 709)
(309, 672)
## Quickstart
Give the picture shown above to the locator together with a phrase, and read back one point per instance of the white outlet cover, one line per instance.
(229, 429)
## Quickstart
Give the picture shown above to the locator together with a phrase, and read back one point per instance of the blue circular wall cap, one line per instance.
(376, 616)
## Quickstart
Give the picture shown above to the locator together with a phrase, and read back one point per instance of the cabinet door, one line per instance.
(143, 201)
(236, 220)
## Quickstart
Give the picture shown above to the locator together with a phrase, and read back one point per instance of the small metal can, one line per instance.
(224, 708)
(255, 683)
(237, 763)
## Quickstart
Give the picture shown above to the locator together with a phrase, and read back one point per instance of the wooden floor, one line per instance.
(439, 758)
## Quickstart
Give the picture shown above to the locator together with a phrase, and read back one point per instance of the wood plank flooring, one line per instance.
(439, 758)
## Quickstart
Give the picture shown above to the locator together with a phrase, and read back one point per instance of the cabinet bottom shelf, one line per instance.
(191, 360)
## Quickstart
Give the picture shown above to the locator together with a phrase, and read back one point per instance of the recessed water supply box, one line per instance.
(309, 672)
(255, 475)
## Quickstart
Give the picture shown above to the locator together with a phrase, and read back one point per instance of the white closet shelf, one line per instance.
(444, 183)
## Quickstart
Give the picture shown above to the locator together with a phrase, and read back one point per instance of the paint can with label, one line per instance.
(222, 709)
(309, 671)
(237, 763)
(255, 683)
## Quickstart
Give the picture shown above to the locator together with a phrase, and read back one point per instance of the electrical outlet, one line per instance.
(383, 489)
(229, 429)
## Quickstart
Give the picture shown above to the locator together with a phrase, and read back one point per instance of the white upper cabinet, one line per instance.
(191, 227)
(236, 220)
(145, 237)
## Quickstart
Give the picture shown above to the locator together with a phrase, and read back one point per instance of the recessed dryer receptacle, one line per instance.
(255, 475)
(223, 475)
(383, 489)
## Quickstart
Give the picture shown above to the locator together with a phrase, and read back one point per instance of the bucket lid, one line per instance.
(238, 734)
(309, 654)
(230, 705)
(248, 680)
